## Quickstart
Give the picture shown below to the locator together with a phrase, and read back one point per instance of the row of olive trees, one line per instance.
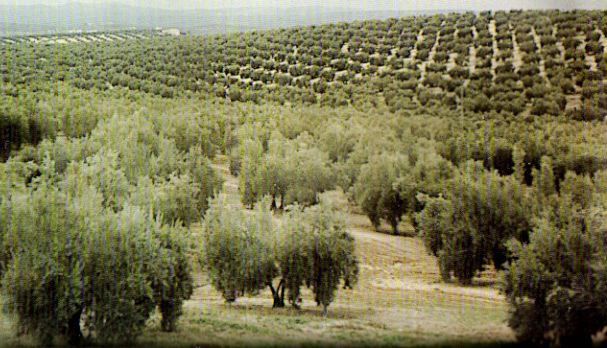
(387, 185)
(289, 171)
(245, 252)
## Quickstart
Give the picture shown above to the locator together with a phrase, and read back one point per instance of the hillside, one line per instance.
(518, 62)
(435, 180)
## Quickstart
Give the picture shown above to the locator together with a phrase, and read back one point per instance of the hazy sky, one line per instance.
(354, 4)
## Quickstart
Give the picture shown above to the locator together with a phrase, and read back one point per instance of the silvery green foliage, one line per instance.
(250, 160)
(312, 173)
(295, 261)
(290, 171)
(244, 252)
(332, 250)
(128, 160)
(68, 259)
(173, 281)
(377, 189)
(316, 251)
(557, 285)
(239, 248)
(467, 227)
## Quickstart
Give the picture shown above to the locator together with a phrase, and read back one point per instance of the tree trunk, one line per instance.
(230, 296)
(325, 310)
(347, 284)
(395, 228)
(74, 334)
(273, 206)
(581, 341)
(167, 308)
(279, 301)
(282, 202)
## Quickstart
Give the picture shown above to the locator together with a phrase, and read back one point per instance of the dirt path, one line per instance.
(493, 31)
(472, 64)
(517, 55)
(542, 64)
(420, 38)
(230, 184)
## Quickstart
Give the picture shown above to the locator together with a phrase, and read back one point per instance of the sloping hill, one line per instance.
(530, 63)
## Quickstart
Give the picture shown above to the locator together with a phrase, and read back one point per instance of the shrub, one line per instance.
(483, 64)
(567, 86)
(538, 91)
(436, 68)
(424, 96)
(422, 54)
(409, 85)
(441, 57)
(408, 75)
(514, 104)
(589, 112)
(527, 46)
(529, 70)
(433, 80)
(404, 52)
(484, 52)
(529, 81)
(283, 79)
(459, 73)
(532, 58)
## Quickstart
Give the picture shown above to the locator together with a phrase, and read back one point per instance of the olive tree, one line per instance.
(377, 189)
(557, 284)
(467, 227)
(250, 159)
(69, 260)
(311, 174)
(293, 171)
(238, 249)
(274, 175)
(316, 251)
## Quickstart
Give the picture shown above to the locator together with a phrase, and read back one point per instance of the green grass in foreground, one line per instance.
(256, 325)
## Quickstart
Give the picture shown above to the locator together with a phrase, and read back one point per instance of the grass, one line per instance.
(398, 302)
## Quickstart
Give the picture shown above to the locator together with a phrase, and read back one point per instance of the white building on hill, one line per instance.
(171, 32)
